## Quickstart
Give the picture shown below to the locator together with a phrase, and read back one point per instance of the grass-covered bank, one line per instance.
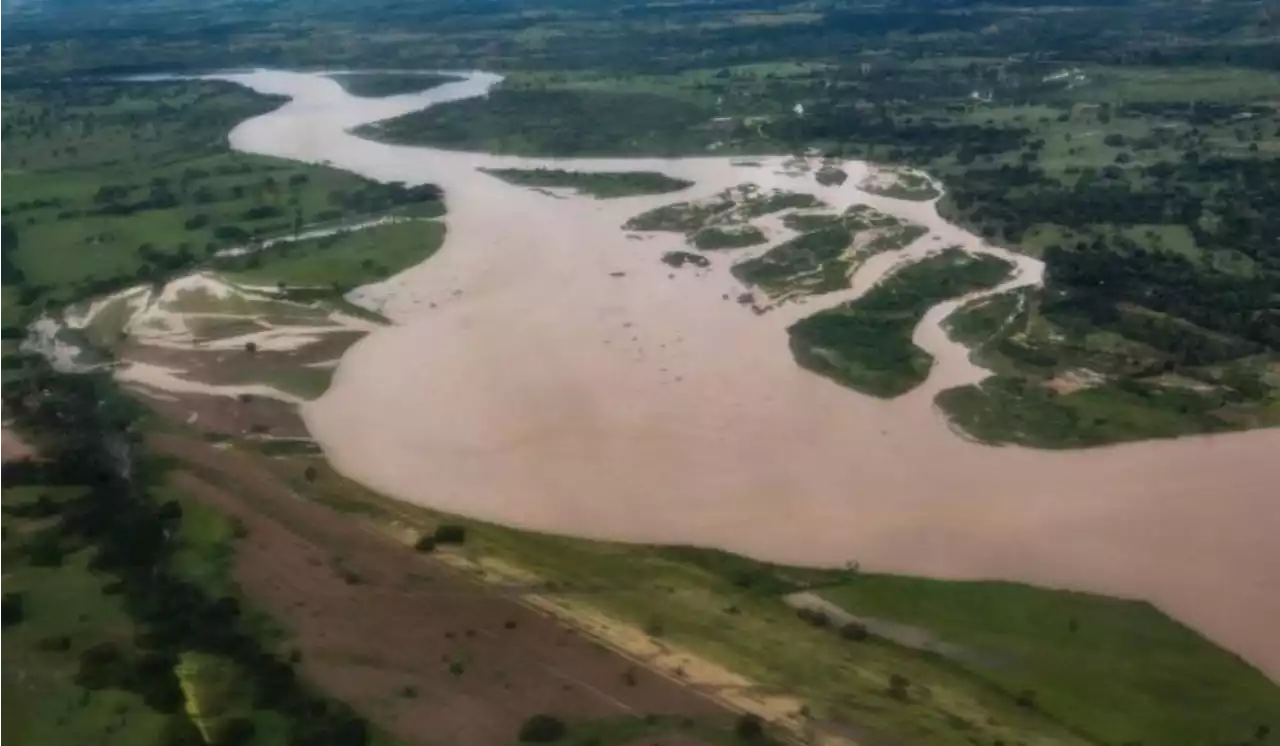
(866, 344)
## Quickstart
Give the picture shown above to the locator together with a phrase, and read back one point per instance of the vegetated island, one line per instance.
(900, 183)
(827, 252)
(1072, 387)
(866, 344)
(601, 185)
(379, 84)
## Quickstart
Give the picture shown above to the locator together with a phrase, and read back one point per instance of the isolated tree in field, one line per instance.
(310, 474)
(251, 347)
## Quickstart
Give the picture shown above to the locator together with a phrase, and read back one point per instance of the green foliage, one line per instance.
(112, 183)
(555, 122)
(733, 237)
(598, 184)
(336, 263)
(866, 344)
(1007, 409)
(1120, 671)
(379, 84)
(450, 533)
(542, 728)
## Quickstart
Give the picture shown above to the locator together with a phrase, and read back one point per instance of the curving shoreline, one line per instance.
(543, 391)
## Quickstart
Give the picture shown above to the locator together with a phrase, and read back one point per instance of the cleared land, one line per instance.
(433, 654)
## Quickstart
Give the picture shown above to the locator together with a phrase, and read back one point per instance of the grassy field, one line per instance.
(1119, 671)
(866, 344)
(343, 260)
(601, 185)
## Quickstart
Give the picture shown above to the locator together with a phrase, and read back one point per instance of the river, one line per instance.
(526, 381)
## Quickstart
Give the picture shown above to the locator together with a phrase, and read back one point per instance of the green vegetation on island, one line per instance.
(866, 344)
(901, 184)
(379, 84)
(598, 184)
(826, 254)
(729, 237)
(342, 260)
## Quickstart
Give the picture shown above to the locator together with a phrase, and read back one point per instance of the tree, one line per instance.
(542, 728)
(749, 727)
(450, 533)
(310, 474)
(251, 347)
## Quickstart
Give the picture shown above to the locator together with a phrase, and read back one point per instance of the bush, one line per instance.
(856, 631)
(425, 544)
(55, 643)
(12, 610)
(450, 533)
(814, 617)
(899, 687)
(749, 727)
(542, 729)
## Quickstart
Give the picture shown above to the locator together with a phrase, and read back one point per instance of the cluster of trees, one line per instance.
(89, 438)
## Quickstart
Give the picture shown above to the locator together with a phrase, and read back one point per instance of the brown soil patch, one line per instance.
(226, 415)
(414, 644)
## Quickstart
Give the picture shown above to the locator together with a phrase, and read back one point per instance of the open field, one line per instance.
(343, 260)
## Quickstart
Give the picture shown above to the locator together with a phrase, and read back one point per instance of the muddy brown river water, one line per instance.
(547, 371)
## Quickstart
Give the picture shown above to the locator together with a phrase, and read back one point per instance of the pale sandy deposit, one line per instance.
(543, 391)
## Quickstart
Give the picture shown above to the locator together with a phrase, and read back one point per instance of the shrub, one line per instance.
(13, 611)
(814, 617)
(749, 727)
(310, 474)
(856, 631)
(899, 687)
(55, 643)
(425, 544)
(542, 728)
(450, 533)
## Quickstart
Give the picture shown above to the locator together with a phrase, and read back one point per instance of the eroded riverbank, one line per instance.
(548, 371)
